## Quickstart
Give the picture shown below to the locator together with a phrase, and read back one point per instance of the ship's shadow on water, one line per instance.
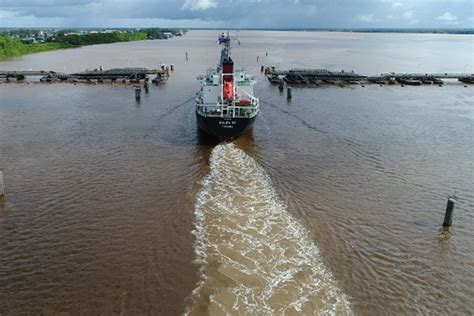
(182, 135)
(205, 139)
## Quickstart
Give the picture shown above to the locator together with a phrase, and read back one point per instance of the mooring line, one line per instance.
(174, 108)
(305, 123)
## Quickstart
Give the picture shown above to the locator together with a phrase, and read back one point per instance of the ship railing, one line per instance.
(210, 110)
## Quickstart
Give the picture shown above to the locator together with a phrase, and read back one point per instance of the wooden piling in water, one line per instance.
(138, 92)
(2, 188)
(448, 216)
(288, 93)
(280, 85)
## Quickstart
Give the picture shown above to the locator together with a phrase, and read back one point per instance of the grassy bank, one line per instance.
(13, 47)
(10, 47)
(100, 38)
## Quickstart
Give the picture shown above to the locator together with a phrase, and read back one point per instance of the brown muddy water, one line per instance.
(332, 205)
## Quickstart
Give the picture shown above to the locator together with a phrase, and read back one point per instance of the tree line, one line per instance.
(99, 38)
(12, 47)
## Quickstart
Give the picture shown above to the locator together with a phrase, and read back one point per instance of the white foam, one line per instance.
(254, 257)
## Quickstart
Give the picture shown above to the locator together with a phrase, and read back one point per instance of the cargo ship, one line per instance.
(225, 105)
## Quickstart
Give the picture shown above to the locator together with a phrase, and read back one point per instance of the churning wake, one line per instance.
(254, 257)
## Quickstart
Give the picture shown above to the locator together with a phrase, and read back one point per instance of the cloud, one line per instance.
(396, 4)
(408, 15)
(448, 18)
(366, 18)
(199, 5)
(236, 13)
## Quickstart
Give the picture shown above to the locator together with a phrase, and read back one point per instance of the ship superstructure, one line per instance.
(226, 106)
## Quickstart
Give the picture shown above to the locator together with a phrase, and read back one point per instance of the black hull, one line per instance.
(225, 128)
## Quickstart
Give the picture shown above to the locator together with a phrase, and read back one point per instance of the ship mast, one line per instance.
(224, 39)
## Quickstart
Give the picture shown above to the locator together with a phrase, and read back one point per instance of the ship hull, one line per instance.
(225, 128)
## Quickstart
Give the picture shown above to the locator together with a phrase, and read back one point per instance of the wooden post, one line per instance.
(288, 93)
(280, 85)
(138, 92)
(2, 188)
(262, 68)
(448, 216)
(145, 85)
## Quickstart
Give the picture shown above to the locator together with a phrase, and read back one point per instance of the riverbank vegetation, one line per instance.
(11, 47)
(99, 38)
(18, 42)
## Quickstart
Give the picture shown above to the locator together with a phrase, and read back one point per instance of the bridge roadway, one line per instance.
(445, 75)
(88, 74)
(324, 73)
(17, 73)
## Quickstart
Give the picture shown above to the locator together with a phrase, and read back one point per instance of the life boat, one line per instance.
(228, 91)
(244, 102)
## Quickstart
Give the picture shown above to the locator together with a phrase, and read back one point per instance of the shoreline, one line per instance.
(38, 48)
(11, 47)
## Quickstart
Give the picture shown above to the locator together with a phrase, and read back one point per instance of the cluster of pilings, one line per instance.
(267, 70)
(317, 77)
(138, 89)
(119, 75)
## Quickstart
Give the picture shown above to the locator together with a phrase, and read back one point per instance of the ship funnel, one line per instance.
(228, 69)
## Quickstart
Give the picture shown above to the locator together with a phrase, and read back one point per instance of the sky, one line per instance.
(238, 13)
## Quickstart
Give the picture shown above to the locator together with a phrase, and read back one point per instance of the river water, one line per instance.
(333, 204)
